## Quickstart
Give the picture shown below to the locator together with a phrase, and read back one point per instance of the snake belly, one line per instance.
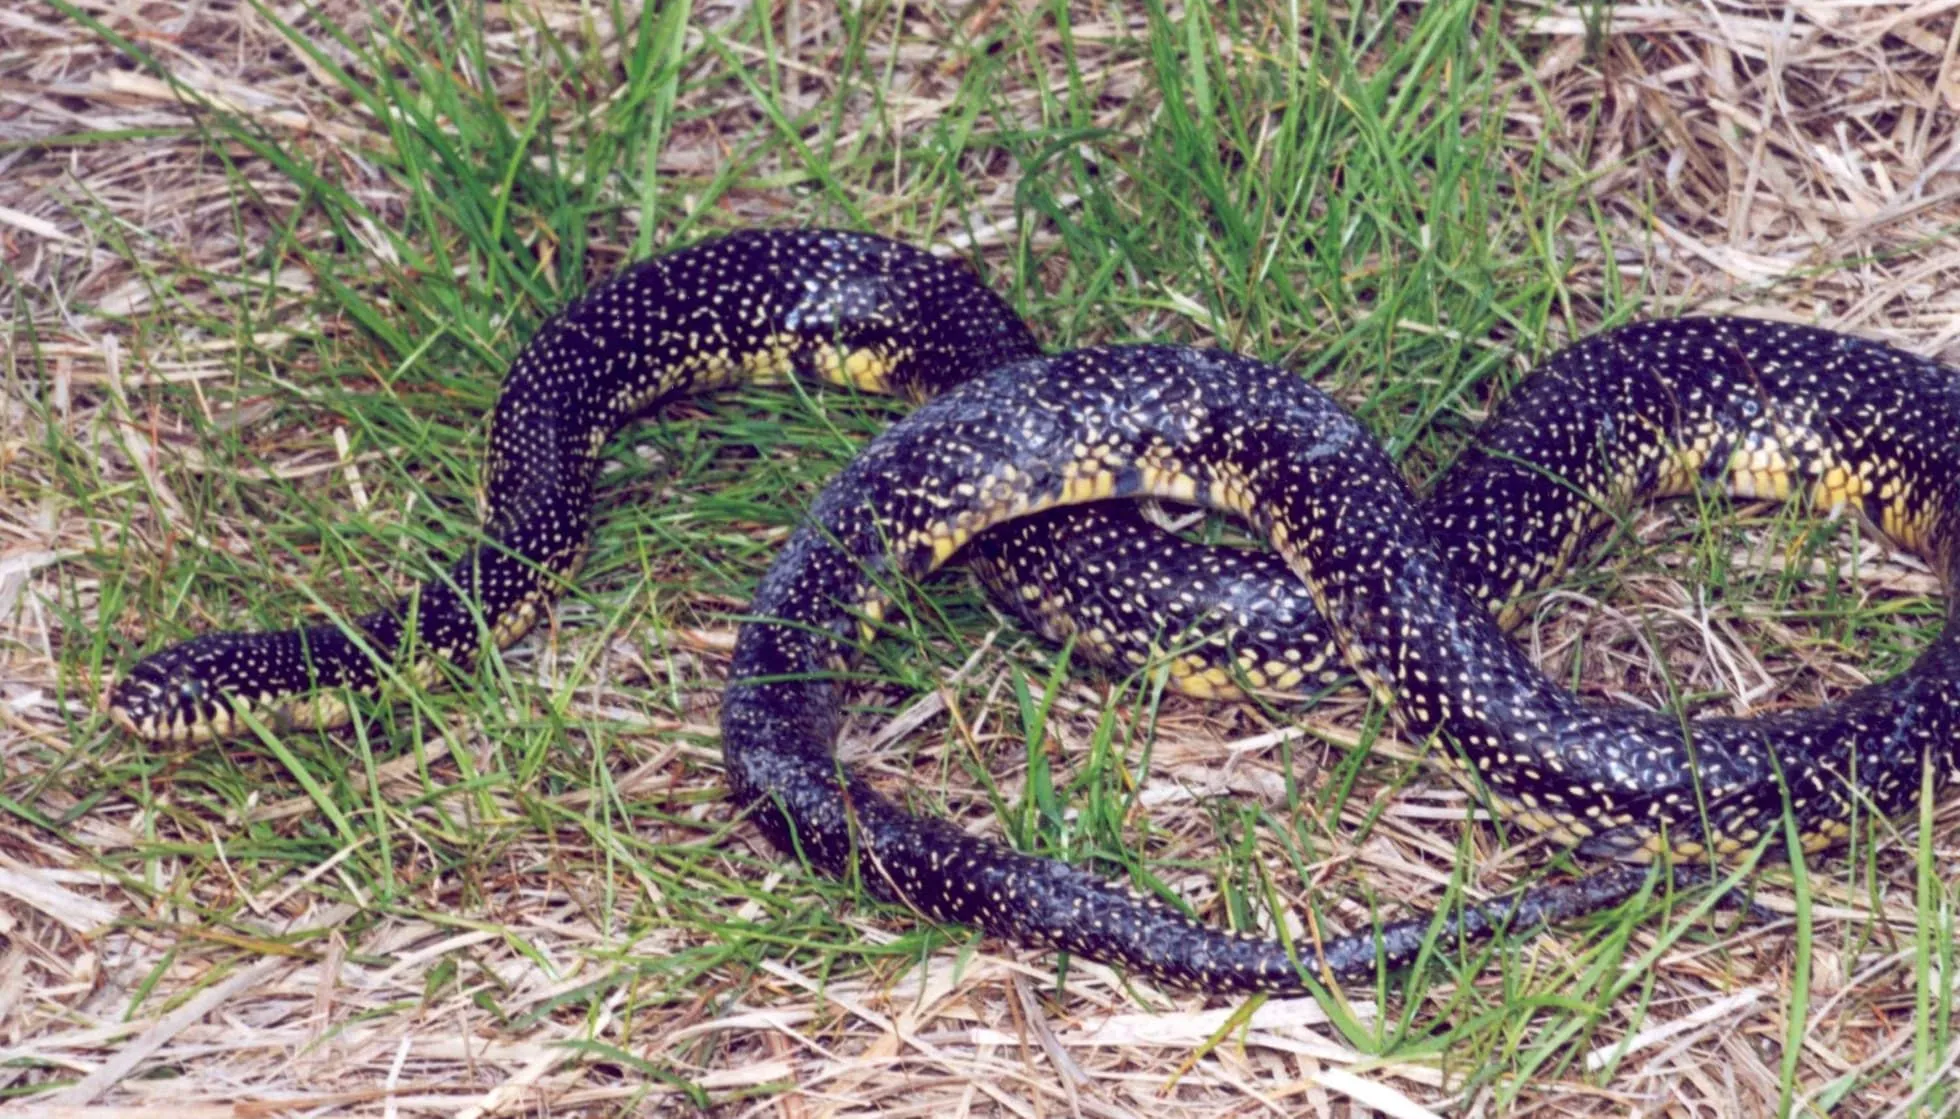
(1758, 408)
(846, 308)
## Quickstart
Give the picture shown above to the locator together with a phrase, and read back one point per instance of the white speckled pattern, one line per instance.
(1758, 408)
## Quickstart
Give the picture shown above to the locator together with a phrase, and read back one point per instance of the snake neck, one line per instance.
(848, 309)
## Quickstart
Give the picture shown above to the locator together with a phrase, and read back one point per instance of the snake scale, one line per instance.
(1009, 446)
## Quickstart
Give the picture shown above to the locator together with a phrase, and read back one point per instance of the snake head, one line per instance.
(192, 692)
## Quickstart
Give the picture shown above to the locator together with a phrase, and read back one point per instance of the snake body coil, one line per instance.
(1763, 409)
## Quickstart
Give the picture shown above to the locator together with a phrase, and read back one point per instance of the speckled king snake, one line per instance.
(1010, 434)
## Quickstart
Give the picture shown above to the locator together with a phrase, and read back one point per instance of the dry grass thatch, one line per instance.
(1796, 160)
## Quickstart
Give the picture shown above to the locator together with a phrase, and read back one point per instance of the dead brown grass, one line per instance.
(1739, 150)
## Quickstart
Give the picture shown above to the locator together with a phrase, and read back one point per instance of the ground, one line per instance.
(264, 263)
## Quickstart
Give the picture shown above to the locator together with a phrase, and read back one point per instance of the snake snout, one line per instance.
(167, 698)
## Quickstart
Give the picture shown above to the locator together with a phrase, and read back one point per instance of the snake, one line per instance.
(1019, 452)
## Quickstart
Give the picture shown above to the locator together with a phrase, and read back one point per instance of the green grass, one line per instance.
(1369, 219)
